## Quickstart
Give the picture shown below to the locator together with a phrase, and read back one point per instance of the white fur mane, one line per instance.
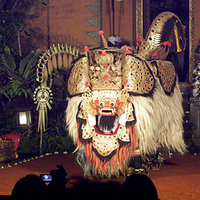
(71, 113)
(159, 120)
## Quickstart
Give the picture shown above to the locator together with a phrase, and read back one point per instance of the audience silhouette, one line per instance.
(30, 187)
(139, 187)
(135, 187)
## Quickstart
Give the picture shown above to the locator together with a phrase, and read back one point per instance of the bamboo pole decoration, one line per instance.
(41, 138)
(70, 59)
(65, 61)
(50, 66)
(56, 57)
(54, 61)
(60, 62)
(43, 98)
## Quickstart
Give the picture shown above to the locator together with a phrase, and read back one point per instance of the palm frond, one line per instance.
(9, 58)
(32, 63)
(8, 64)
(21, 91)
(24, 62)
(5, 68)
(31, 76)
(15, 85)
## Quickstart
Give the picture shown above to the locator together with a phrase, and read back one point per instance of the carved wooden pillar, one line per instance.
(191, 40)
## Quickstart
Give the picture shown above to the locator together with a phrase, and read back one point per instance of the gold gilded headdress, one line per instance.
(98, 69)
(110, 68)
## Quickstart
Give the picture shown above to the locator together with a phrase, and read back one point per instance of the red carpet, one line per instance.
(177, 179)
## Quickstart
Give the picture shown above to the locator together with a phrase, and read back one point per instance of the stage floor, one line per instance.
(177, 179)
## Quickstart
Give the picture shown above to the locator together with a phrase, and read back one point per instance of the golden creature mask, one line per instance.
(118, 100)
(106, 102)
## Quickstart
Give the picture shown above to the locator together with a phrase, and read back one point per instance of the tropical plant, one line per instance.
(13, 27)
(19, 74)
(56, 137)
(28, 145)
(56, 140)
(8, 123)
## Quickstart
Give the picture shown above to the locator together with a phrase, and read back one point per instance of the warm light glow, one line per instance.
(22, 118)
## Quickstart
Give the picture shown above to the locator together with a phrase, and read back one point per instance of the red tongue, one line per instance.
(97, 131)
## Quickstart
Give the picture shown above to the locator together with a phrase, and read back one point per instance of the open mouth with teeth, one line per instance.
(107, 124)
(107, 112)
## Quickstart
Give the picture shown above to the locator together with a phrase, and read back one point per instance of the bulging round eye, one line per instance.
(112, 104)
(101, 104)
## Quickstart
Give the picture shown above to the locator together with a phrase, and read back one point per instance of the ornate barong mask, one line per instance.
(106, 113)
(118, 99)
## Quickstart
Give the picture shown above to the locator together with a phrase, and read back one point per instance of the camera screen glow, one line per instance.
(46, 177)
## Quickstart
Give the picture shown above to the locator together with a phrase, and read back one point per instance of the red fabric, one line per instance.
(12, 136)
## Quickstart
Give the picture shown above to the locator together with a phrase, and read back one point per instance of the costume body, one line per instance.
(124, 102)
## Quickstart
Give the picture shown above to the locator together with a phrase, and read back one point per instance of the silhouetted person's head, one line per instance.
(30, 187)
(139, 187)
(94, 190)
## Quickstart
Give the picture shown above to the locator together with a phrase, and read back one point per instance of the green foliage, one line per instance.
(7, 30)
(56, 137)
(13, 17)
(54, 140)
(20, 75)
(8, 124)
(29, 145)
(17, 78)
